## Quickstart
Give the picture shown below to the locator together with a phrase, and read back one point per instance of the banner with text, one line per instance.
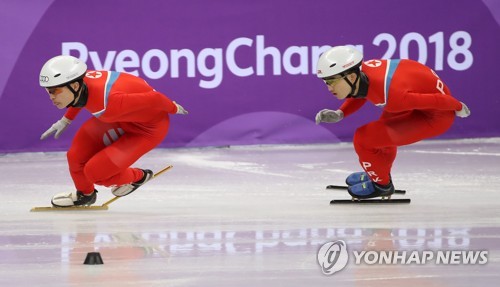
(245, 71)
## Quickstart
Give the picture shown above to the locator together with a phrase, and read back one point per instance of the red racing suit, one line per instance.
(416, 105)
(129, 119)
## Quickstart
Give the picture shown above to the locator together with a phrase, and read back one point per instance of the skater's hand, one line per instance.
(56, 128)
(329, 116)
(180, 109)
(464, 112)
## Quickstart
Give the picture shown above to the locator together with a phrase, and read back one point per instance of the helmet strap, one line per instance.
(363, 86)
(81, 101)
(352, 84)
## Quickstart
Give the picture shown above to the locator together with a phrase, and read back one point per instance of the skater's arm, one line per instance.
(60, 126)
(132, 107)
(350, 106)
(71, 113)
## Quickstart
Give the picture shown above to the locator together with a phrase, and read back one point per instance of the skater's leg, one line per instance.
(90, 139)
(111, 166)
(376, 143)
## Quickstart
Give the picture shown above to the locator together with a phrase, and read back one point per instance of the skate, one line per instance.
(367, 193)
(357, 177)
(73, 199)
(78, 201)
(129, 188)
(370, 189)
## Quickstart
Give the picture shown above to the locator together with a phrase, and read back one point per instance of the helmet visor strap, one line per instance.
(75, 92)
(353, 85)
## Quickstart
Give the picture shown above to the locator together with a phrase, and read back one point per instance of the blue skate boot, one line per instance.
(357, 177)
(370, 189)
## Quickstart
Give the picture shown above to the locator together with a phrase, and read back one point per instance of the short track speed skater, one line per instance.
(104, 206)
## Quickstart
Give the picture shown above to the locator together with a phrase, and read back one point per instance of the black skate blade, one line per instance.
(343, 187)
(371, 201)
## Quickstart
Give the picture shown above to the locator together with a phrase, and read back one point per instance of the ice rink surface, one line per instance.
(254, 216)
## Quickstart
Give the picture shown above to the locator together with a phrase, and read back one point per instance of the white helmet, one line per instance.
(338, 60)
(61, 70)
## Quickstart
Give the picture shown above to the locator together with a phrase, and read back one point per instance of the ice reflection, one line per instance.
(209, 243)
